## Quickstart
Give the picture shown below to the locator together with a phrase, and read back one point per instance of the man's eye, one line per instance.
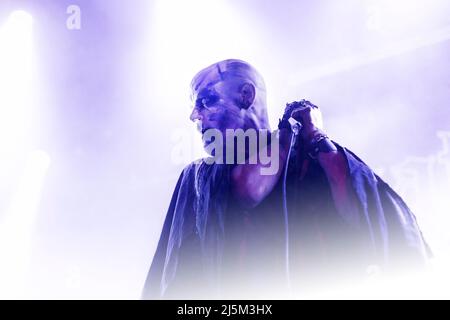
(199, 105)
(209, 101)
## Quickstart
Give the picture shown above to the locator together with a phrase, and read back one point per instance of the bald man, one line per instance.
(320, 217)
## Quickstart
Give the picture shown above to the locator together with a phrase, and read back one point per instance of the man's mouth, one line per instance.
(202, 129)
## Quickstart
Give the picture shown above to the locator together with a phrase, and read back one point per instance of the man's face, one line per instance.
(215, 106)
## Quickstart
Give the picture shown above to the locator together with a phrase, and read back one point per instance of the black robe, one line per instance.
(210, 247)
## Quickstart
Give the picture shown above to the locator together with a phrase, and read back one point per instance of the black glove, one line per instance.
(290, 108)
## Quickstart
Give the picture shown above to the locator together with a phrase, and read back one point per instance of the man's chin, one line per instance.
(214, 153)
(205, 147)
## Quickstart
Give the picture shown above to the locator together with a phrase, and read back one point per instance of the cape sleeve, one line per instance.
(152, 286)
(394, 234)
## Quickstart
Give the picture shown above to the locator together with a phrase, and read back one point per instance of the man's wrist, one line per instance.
(284, 136)
(319, 142)
(284, 124)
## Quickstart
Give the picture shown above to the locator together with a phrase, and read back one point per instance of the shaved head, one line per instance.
(236, 75)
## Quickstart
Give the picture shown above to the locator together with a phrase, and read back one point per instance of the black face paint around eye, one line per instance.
(207, 98)
(210, 100)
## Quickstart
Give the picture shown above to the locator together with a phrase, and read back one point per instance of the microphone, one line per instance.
(289, 120)
(296, 126)
(295, 106)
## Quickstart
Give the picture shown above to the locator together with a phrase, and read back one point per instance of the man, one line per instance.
(322, 216)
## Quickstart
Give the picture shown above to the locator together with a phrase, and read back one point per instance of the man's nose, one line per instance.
(195, 115)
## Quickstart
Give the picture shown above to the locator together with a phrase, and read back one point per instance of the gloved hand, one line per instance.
(307, 114)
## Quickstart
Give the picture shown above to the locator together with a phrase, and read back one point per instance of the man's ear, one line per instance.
(247, 95)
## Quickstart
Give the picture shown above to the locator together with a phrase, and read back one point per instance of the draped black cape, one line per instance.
(203, 221)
